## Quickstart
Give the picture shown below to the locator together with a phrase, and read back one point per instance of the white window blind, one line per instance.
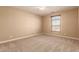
(55, 23)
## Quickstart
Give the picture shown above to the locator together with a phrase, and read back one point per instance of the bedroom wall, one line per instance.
(69, 23)
(78, 22)
(17, 23)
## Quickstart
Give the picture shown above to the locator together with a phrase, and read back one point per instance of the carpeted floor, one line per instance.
(42, 43)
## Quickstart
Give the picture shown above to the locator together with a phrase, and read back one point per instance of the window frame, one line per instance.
(52, 25)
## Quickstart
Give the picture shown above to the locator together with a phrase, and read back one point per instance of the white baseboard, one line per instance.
(35, 34)
(62, 36)
(28, 36)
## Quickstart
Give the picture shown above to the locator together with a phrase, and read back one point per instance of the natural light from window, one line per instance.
(55, 23)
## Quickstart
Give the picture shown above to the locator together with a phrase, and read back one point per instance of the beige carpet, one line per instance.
(42, 43)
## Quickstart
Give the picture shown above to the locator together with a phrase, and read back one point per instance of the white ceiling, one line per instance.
(48, 9)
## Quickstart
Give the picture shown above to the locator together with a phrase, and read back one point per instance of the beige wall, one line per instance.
(16, 23)
(78, 22)
(69, 23)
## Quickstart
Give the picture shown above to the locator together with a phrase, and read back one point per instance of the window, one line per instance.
(55, 23)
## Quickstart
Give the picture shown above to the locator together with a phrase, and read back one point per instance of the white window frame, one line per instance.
(53, 27)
